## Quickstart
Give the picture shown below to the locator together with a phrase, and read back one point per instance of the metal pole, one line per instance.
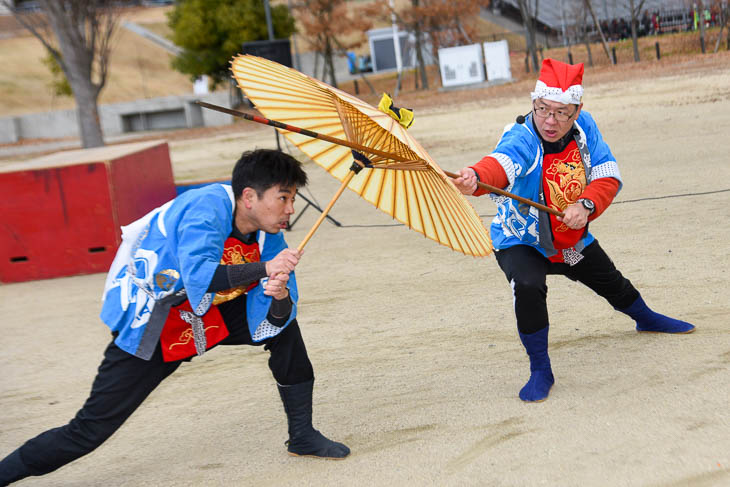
(269, 25)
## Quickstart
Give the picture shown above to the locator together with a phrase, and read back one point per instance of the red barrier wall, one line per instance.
(60, 214)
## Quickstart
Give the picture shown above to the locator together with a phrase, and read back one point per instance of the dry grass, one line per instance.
(139, 69)
(159, 28)
(489, 32)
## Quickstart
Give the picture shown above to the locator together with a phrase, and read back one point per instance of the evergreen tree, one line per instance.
(211, 32)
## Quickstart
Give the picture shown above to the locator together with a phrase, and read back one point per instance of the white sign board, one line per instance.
(496, 55)
(461, 65)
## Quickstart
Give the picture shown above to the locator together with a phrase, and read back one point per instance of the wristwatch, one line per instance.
(588, 204)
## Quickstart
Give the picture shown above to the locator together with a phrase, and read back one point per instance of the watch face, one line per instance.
(588, 204)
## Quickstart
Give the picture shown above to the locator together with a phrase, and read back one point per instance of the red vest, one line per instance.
(563, 179)
(176, 339)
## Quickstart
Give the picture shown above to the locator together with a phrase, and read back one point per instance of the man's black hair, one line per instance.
(262, 169)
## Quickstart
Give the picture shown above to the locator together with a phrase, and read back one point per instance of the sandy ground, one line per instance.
(414, 346)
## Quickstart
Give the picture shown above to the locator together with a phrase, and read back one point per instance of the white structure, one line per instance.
(382, 49)
(461, 65)
(496, 55)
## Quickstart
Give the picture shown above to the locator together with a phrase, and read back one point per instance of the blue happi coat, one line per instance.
(520, 153)
(174, 247)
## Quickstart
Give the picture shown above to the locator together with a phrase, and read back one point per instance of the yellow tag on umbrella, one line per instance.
(404, 116)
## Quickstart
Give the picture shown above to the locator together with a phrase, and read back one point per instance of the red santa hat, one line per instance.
(560, 82)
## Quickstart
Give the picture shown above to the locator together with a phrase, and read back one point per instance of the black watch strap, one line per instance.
(588, 204)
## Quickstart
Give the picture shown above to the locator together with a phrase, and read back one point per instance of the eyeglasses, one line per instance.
(541, 111)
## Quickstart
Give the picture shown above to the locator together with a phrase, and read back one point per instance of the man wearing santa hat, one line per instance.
(555, 156)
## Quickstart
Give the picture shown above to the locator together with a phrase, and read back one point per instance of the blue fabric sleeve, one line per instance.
(201, 232)
(520, 146)
(257, 303)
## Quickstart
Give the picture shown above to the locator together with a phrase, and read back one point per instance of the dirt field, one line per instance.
(415, 348)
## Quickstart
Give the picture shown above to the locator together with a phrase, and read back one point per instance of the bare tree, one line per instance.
(700, 13)
(328, 24)
(78, 34)
(724, 13)
(635, 7)
(418, 34)
(598, 28)
(529, 10)
(583, 31)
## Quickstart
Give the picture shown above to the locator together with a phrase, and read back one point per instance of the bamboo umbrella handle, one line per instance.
(494, 189)
(321, 218)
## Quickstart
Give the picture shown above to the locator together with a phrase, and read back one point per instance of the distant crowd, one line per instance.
(661, 22)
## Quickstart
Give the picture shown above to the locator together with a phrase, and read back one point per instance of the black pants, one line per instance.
(124, 381)
(526, 268)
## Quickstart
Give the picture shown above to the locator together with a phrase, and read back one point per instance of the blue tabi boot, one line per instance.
(649, 321)
(541, 375)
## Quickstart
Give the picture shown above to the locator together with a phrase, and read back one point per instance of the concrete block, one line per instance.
(9, 130)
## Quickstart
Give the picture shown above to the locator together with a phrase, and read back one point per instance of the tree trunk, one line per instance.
(419, 51)
(533, 49)
(86, 93)
(529, 24)
(701, 17)
(329, 63)
(724, 15)
(77, 64)
(535, 62)
(82, 41)
(88, 114)
(570, 52)
(84, 31)
(530, 54)
(586, 40)
(598, 27)
(634, 33)
(588, 50)
(463, 32)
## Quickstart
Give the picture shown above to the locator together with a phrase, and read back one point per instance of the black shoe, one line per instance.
(304, 440)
